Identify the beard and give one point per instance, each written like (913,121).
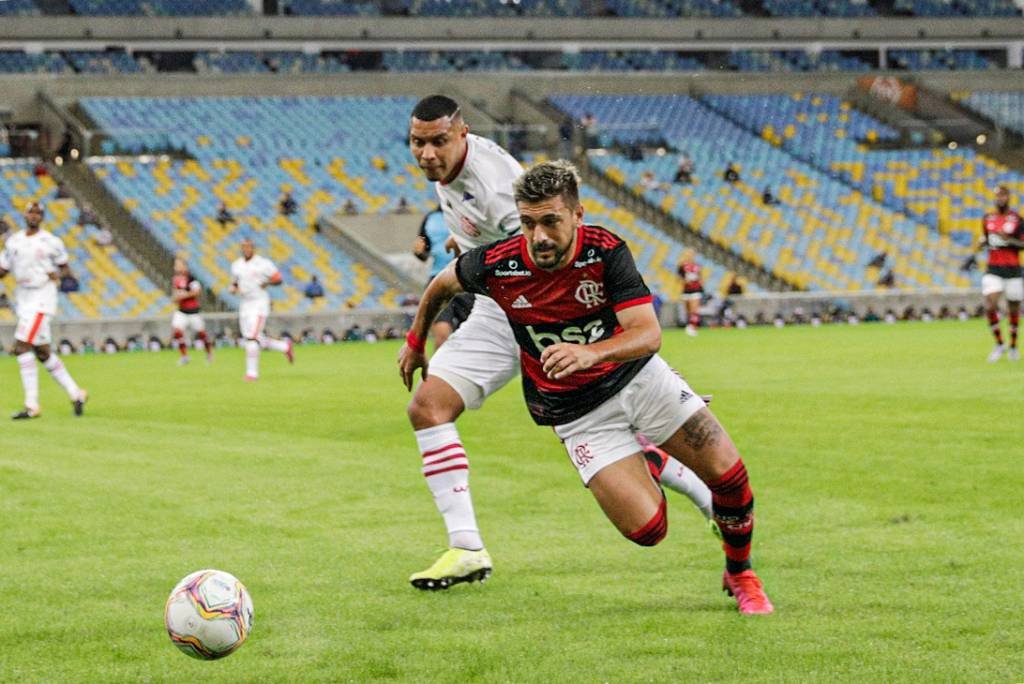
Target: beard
(550,257)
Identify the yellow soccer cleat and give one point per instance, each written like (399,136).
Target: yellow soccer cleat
(454,566)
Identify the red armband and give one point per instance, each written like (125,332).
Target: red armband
(415,343)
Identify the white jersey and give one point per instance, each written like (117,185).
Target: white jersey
(478,205)
(32,259)
(251,275)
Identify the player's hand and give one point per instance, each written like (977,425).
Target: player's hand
(419,248)
(233,289)
(563,359)
(450,245)
(408,361)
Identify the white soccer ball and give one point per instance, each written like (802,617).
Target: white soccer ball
(209,614)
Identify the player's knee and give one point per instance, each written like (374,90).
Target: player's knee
(42,353)
(423,412)
(654,531)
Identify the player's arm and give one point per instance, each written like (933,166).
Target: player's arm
(64,270)
(421,248)
(640,337)
(273,281)
(439,292)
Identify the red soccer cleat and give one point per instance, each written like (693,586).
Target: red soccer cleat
(748,591)
(290,352)
(251,378)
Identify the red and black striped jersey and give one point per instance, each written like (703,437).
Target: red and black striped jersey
(691,273)
(189,305)
(576,303)
(1003,260)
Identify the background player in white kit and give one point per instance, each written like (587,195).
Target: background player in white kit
(251,275)
(36,258)
(186,291)
(473,178)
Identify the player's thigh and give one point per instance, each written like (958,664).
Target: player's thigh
(480,357)
(434,402)
(251,322)
(703,445)
(991,287)
(33,328)
(626,493)
(179,321)
(196,323)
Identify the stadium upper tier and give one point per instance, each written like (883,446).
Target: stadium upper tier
(253,62)
(821,235)
(537,8)
(946,189)
(109,284)
(327,151)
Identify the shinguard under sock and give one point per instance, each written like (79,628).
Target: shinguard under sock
(252,358)
(732,502)
(205,340)
(60,373)
(446,470)
(179,338)
(993,324)
(1014,323)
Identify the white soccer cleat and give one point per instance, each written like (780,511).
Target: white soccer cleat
(1013,354)
(182,361)
(691,331)
(996,353)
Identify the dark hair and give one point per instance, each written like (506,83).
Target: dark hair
(435,107)
(546,180)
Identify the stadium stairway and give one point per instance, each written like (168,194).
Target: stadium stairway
(655,215)
(148,255)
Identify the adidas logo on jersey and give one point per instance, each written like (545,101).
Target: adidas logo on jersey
(521,303)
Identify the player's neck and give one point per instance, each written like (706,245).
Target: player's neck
(32,231)
(458,167)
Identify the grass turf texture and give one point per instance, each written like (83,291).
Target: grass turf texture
(885,461)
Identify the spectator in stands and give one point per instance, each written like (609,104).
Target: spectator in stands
(65,347)
(649,182)
(110,346)
(684,172)
(350,208)
(62,191)
(314,289)
(288,206)
(40,170)
(767,198)
(353,334)
(224,215)
(327,336)
(878,261)
(589,124)
(403,206)
(735,286)
(86,215)
(887,279)
(4,302)
(103,237)
(154,343)
(731,175)
(566,133)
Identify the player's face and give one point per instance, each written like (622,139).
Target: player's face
(179,267)
(1002,198)
(33,217)
(247,249)
(550,230)
(438,146)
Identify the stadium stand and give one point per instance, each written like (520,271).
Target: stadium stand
(22,8)
(17,62)
(110,285)
(111,62)
(822,234)
(313,147)
(158,8)
(948,190)
(1004,108)
(924,60)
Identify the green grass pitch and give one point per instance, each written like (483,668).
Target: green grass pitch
(886,462)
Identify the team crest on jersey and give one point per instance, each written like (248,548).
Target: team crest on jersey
(590,293)
(467,197)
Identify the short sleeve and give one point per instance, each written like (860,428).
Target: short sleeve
(269,269)
(471,272)
(59,253)
(623,282)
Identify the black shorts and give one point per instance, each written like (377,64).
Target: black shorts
(457,311)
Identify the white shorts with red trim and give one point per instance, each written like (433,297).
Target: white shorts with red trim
(252,319)
(1013,288)
(33,328)
(655,403)
(480,357)
(185,322)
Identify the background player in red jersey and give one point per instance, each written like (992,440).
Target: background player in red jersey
(1002,234)
(185,291)
(588,339)
(693,290)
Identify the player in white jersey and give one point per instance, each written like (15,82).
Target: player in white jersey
(473,178)
(37,258)
(251,275)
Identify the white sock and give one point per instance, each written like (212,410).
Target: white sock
(679,478)
(274,344)
(60,373)
(29,379)
(252,358)
(446,470)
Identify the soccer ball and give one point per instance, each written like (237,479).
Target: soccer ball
(208,614)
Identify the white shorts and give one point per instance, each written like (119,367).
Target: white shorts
(693,296)
(655,403)
(33,327)
(251,321)
(480,357)
(185,322)
(1013,288)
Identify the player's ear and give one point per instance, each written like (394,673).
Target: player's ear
(578,212)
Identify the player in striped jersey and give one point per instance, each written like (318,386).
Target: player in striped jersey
(185,291)
(1002,234)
